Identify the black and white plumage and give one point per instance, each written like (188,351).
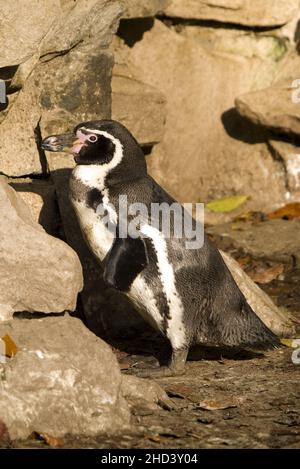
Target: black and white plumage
(187,294)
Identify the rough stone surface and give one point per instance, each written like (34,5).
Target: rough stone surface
(143,8)
(259,301)
(289,154)
(39,195)
(244,12)
(140,107)
(23,26)
(38,272)
(87,23)
(208,150)
(62,380)
(50,97)
(272,107)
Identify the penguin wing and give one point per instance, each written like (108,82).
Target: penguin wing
(124,261)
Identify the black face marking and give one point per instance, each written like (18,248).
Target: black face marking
(94,198)
(125,260)
(100,151)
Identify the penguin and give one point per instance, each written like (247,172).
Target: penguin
(189,295)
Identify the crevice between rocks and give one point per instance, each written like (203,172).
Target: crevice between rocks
(174,21)
(42,156)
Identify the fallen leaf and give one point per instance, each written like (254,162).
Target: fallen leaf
(10,348)
(48,439)
(211,404)
(293,343)
(261,275)
(288,212)
(227,204)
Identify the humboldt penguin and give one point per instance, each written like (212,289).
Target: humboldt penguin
(188,294)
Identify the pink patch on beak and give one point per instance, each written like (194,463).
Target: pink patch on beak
(82,137)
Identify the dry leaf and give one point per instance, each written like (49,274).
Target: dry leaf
(288,212)
(48,439)
(10,348)
(293,343)
(227,204)
(211,404)
(261,275)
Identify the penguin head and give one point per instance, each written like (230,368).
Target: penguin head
(103,143)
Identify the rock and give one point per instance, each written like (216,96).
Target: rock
(259,301)
(208,151)
(272,107)
(64,380)
(50,97)
(18,152)
(39,195)
(140,107)
(23,26)
(267,47)
(263,13)
(289,154)
(38,272)
(148,391)
(259,241)
(143,8)
(82,23)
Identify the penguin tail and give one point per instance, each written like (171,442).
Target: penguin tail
(246,330)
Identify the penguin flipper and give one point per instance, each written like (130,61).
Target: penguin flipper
(124,261)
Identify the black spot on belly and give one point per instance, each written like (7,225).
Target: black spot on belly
(94,198)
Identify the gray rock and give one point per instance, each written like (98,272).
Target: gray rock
(63,380)
(244,12)
(143,8)
(37,272)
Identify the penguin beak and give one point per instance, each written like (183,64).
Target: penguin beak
(65,142)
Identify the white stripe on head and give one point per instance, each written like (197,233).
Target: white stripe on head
(175,331)
(94,175)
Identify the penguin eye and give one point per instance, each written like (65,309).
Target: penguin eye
(92,138)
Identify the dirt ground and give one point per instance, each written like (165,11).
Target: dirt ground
(239,401)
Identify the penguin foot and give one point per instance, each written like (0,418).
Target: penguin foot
(161,372)
(175,368)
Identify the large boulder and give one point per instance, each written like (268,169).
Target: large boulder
(208,150)
(38,272)
(63,380)
(69,83)
(272,107)
(245,12)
